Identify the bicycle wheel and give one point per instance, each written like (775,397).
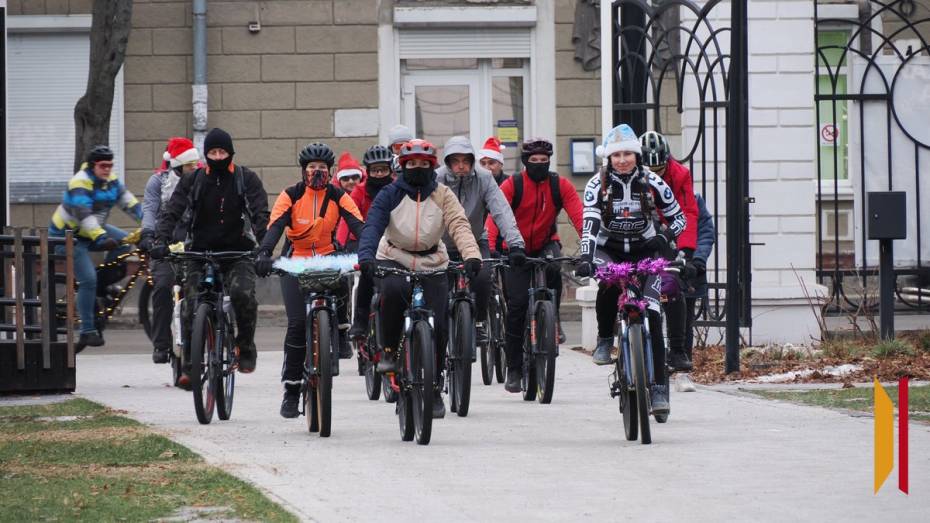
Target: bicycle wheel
(226,379)
(203,343)
(175,369)
(369,370)
(420,366)
(405,416)
(145,306)
(488,349)
(529,365)
(546,351)
(627,401)
(500,361)
(319,352)
(463,347)
(310,408)
(390,395)
(638,362)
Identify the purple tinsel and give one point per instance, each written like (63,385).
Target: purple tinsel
(621,274)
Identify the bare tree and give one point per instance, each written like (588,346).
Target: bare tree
(109,33)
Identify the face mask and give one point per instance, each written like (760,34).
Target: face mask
(316,179)
(219,165)
(377,183)
(537,171)
(418,177)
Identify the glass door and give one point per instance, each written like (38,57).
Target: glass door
(440,104)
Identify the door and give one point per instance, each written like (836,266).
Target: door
(438,105)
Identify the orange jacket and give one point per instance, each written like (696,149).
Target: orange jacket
(310,217)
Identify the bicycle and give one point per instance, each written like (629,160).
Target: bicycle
(460,348)
(213,356)
(540,348)
(321,362)
(493,358)
(368,350)
(633,374)
(414,383)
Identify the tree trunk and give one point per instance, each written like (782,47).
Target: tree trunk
(109,33)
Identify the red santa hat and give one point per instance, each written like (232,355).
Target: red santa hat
(492,149)
(180,151)
(348,166)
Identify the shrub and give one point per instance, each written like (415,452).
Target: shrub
(892,348)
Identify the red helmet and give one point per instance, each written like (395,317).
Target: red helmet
(418,148)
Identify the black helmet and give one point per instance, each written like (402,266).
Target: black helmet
(655,148)
(377,154)
(533,146)
(316,152)
(98,153)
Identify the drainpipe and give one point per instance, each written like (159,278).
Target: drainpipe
(199,86)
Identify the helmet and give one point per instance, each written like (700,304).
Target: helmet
(532,146)
(377,154)
(316,152)
(98,153)
(418,148)
(655,148)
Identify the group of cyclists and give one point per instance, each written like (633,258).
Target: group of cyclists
(404,207)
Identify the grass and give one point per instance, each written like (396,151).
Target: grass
(856,399)
(101,466)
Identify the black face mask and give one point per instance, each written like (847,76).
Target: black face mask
(419,176)
(537,171)
(375,184)
(219,165)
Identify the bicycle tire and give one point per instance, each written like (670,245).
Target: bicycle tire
(487,363)
(226,385)
(369,370)
(310,406)
(463,348)
(638,362)
(489,348)
(404,407)
(529,364)
(627,401)
(320,337)
(145,307)
(175,363)
(546,351)
(390,395)
(203,339)
(420,369)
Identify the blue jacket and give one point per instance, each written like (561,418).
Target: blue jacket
(86,204)
(707,233)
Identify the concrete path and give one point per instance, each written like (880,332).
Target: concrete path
(721,456)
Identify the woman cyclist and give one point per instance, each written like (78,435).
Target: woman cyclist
(307,212)
(405,226)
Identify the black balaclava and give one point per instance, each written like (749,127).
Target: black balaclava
(373,185)
(537,171)
(419,176)
(218,139)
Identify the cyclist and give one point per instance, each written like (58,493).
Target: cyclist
(492,159)
(621,224)
(377,162)
(537,196)
(308,213)
(397,137)
(84,209)
(479,195)
(228,212)
(658,158)
(696,269)
(405,226)
(181,157)
(348,172)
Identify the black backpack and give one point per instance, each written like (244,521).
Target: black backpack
(553,187)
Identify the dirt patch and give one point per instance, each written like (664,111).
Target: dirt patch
(117,435)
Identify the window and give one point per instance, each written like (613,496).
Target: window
(832,124)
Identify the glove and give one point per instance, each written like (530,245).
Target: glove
(517,257)
(688,272)
(658,243)
(263,264)
(106,244)
(584,269)
(147,241)
(159,251)
(367,267)
(700,266)
(472,267)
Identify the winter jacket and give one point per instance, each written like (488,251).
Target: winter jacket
(536,215)
(678,177)
(362,199)
(627,224)
(479,195)
(406,224)
(158,191)
(706,237)
(228,211)
(86,204)
(309,217)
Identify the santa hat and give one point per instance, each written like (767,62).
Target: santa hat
(347,166)
(620,138)
(492,149)
(180,151)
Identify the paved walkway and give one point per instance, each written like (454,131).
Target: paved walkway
(720,456)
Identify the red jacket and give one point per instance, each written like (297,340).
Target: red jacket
(363,202)
(536,216)
(678,177)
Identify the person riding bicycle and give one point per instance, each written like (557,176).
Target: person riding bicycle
(657,157)
(84,209)
(621,223)
(181,157)
(307,212)
(492,159)
(537,196)
(228,212)
(397,137)
(479,195)
(696,270)
(377,162)
(348,172)
(405,226)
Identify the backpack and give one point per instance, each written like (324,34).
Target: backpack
(553,188)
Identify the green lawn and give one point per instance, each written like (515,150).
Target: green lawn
(858,399)
(79,461)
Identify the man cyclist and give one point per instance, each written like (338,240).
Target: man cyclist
(308,213)
(228,212)
(621,224)
(537,196)
(181,157)
(405,227)
(84,209)
(492,159)
(479,195)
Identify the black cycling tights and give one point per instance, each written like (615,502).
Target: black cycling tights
(607,309)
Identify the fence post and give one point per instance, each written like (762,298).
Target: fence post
(47,305)
(19,283)
(69,293)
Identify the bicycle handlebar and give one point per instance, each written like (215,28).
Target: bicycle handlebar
(210,255)
(381,271)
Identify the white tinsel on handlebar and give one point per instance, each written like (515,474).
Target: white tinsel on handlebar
(298,265)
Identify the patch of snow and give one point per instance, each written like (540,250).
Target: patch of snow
(784,377)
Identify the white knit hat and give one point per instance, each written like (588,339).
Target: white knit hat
(620,138)
(399,134)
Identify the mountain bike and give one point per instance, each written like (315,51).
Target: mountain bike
(493,360)
(460,349)
(213,356)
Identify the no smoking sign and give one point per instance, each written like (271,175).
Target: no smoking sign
(829,134)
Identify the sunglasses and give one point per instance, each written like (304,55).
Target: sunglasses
(350,178)
(105,165)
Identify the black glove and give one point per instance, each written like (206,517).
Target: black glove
(472,267)
(159,251)
(688,272)
(263,263)
(585,269)
(367,267)
(516,257)
(147,241)
(658,243)
(106,244)
(700,266)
